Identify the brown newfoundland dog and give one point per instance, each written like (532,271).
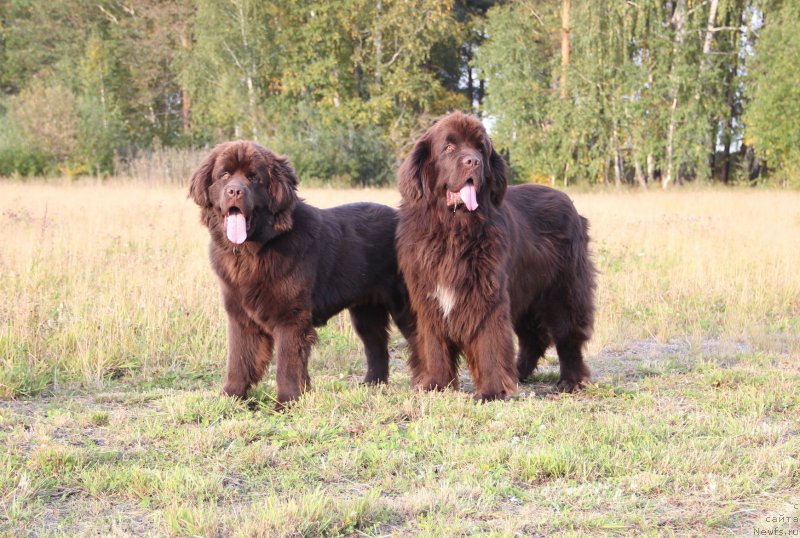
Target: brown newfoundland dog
(483,261)
(286,267)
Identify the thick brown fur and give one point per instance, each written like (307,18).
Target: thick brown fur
(298,266)
(519,263)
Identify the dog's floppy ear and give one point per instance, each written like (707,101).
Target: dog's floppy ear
(498,177)
(411,177)
(201,179)
(282,191)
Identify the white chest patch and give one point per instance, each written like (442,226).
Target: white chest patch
(446,298)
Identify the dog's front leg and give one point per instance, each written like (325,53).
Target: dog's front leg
(490,356)
(438,367)
(249,354)
(293,342)
(249,347)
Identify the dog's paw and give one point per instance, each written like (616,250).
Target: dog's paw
(571,385)
(491,396)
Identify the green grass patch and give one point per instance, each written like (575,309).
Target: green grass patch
(699,451)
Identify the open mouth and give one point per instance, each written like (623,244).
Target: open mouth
(466,195)
(236,225)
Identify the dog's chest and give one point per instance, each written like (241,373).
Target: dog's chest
(261,296)
(455,272)
(455,297)
(447,299)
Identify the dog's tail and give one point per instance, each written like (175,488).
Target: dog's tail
(584,286)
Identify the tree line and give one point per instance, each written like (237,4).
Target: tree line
(646,92)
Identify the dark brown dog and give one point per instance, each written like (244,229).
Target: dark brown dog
(482,262)
(286,267)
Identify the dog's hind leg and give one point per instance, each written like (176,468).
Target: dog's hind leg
(534,340)
(371,323)
(406,321)
(574,372)
(571,328)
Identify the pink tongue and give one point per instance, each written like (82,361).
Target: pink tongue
(236,228)
(467,194)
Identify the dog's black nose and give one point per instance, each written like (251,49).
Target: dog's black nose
(234,191)
(471,161)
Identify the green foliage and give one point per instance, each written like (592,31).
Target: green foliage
(228,69)
(101,137)
(518,64)
(654,90)
(325,150)
(365,57)
(774,85)
(23,161)
(16,157)
(46,114)
(337,86)
(101,129)
(628,63)
(49,128)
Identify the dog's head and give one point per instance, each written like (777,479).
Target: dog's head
(454,165)
(245,191)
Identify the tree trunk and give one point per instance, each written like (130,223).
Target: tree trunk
(616,157)
(470,79)
(564,46)
(731,98)
(250,71)
(712,17)
(378,44)
(667,179)
(679,23)
(710,138)
(186,109)
(637,166)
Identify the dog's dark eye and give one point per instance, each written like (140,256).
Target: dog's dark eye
(450,148)
(224,176)
(251,177)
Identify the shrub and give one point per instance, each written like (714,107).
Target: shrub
(46,116)
(330,151)
(18,158)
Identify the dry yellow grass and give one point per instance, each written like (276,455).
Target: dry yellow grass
(102,280)
(697,264)
(111,317)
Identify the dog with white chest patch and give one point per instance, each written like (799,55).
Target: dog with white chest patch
(483,261)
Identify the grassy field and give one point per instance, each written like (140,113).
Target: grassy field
(112,341)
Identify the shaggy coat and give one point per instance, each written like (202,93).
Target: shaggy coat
(286,267)
(483,261)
